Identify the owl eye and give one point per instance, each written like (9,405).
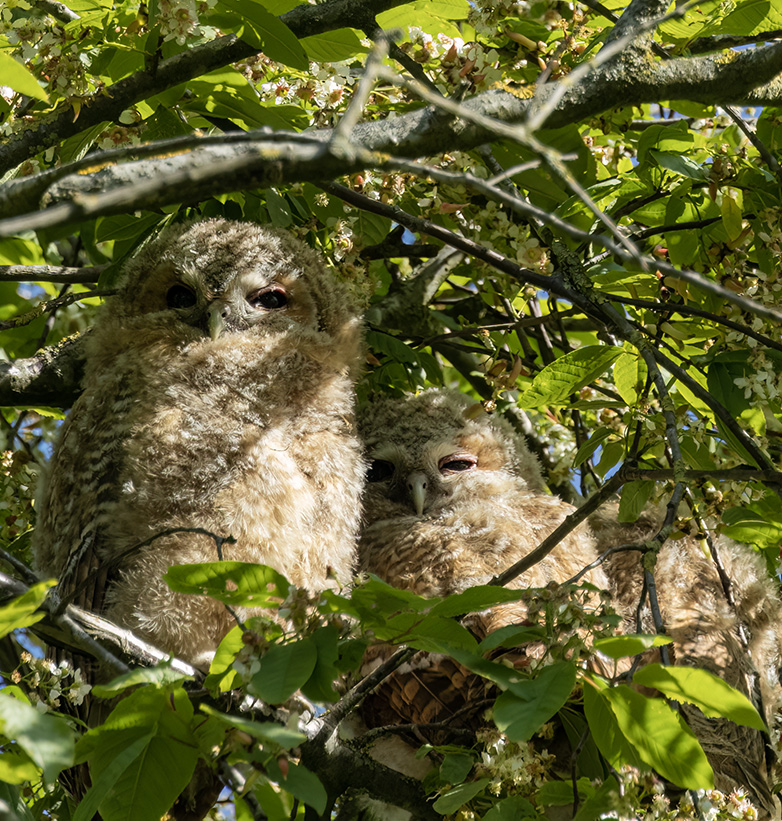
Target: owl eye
(380,470)
(180,296)
(268,299)
(456,463)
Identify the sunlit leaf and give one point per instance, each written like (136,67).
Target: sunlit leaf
(713,696)
(47,739)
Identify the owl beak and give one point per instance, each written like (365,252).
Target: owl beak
(416,485)
(215,322)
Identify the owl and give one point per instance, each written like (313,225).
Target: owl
(724,616)
(453,499)
(218,394)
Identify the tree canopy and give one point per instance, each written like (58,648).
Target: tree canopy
(570,210)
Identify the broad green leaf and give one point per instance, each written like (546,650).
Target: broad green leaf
(114,770)
(300,783)
(617,647)
(560,793)
(592,444)
(600,803)
(16,768)
(630,376)
(235,583)
(531,703)
(679,164)
(511,636)
(150,733)
(431,633)
(376,598)
(333,46)
(320,686)
(568,374)
(284,669)
(713,696)
(456,767)
(475,598)
(605,729)
(160,675)
(10,795)
(268,33)
(266,731)
(511,808)
(21,612)
(456,797)
(633,499)
(661,737)
(16,76)
(220,673)
(48,740)
(732,213)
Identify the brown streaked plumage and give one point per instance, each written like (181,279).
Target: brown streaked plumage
(451,501)
(218,394)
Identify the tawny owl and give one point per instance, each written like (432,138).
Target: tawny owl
(452,501)
(218,394)
(724,615)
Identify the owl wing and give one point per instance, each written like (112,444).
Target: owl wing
(83,488)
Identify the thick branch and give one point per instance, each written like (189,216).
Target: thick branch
(619,82)
(51,377)
(304,20)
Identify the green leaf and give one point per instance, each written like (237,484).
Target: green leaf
(142,757)
(605,729)
(235,583)
(21,611)
(511,636)
(160,675)
(679,164)
(509,809)
(220,673)
(732,216)
(601,803)
(16,768)
(433,634)
(320,686)
(567,375)
(48,740)
(713,696)
(598,436)
(530,704)
(560,793)
(456,797)
(267,33)
(333,46)
(617,647)
(630,376)
(300,783)
(10,795)
(16,76)
(284,669)
(456,767)
(661,737)
(265,731)
(475,598)
(633,499)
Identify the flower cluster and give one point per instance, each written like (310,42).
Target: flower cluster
(515,768)
(17,483)
(49,683)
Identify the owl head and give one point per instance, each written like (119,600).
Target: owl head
(428,452)
(218,277)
